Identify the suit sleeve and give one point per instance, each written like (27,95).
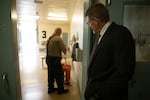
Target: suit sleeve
(124,54)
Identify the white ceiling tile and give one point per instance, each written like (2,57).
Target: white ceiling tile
(61,7)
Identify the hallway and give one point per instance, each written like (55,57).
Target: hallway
(34,77)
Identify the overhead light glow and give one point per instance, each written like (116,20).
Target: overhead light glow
(57,18)
(59,14)
(26,17)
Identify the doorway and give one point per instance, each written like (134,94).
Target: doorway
(29,60)
(33,75)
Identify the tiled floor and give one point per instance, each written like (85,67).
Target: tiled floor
(34,79)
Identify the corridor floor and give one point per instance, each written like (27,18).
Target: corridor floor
(34,78)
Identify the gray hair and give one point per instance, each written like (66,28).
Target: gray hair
(98,11)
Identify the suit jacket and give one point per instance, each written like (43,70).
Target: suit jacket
(112,65)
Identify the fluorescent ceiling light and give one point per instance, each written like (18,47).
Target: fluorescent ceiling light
(57,14)
(57,18)
(26,17)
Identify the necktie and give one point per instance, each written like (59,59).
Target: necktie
(94,47)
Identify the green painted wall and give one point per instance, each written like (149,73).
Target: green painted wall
(116,11)
(65,38)
(86,50)
(8,60)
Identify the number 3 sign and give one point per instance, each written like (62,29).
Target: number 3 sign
(44,34)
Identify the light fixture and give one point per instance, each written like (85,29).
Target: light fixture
(57,18)
(109,2)
(28,17)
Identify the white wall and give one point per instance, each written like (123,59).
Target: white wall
(77,23)
(77,30)
(49,28)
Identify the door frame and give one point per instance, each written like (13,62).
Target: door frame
(15,47)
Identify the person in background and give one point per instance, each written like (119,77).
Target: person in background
(55,47)
(112,60)
(73,52)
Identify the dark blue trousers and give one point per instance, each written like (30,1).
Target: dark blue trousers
(55,72)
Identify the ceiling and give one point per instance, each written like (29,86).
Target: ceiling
(31,9)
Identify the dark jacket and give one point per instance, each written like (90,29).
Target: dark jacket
(113,64)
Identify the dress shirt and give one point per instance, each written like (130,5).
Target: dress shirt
(105,27)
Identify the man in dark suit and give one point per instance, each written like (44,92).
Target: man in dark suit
(112,60)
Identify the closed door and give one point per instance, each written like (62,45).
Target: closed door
(136,18)
(65,38)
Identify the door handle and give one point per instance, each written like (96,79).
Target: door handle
(5,82)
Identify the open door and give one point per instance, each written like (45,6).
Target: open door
(9,66)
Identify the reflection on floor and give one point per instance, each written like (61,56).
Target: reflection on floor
(34,79)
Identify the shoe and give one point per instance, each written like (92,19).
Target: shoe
(51,90)
(67,83)
(63,91)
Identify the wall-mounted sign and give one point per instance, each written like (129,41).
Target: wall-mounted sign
(43,34)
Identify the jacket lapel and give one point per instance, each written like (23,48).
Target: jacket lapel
(101,42)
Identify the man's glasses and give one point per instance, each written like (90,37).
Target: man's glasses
(92,19)
(89,22)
